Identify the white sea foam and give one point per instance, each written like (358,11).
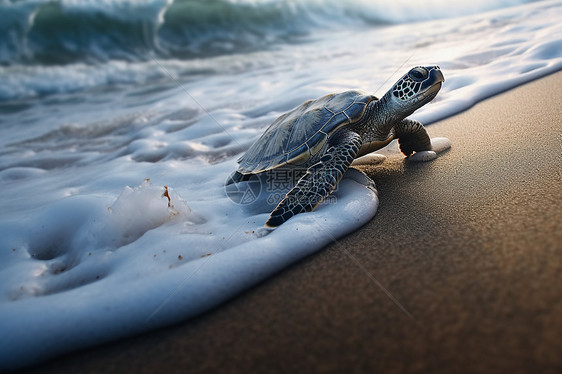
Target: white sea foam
(92,251)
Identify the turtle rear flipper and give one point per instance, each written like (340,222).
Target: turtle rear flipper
(320,179)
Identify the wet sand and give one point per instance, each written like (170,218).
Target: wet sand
(460,271)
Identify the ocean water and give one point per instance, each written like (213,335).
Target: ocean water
(121,120)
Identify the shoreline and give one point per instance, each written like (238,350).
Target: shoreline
(467,245)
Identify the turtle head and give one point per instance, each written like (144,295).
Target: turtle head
(415,89)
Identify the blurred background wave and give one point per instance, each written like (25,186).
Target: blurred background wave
(58,32)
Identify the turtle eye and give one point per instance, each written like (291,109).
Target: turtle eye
(418,74)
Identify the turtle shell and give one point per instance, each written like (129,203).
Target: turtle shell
(300,133)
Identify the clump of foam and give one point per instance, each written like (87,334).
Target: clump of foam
(438,145)
(143,208)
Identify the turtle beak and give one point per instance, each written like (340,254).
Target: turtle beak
(433,83)
(436,74)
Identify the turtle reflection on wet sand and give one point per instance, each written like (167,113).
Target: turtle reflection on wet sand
(325,136)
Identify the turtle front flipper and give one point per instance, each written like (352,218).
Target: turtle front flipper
(412,137)
(320,179)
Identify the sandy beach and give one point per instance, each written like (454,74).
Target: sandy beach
(459,271)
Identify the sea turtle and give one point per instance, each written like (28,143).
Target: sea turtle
(325,135)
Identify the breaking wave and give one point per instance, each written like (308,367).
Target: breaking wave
(57,32)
